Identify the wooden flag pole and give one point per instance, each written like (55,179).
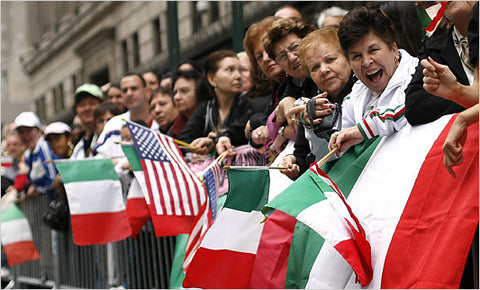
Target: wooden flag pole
(326,157)
(180,142)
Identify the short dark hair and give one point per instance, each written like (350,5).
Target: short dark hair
(160,91)
(359,22)
(283,27)
(201,87)
(112,85)
(106,107)
(128,74)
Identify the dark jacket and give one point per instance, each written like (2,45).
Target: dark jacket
(422,107)
(205,119)
(302,150)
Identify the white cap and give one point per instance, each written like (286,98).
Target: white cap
(27,119)
(57,128)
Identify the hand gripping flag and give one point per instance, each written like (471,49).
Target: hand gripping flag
(95,199)
(176,194)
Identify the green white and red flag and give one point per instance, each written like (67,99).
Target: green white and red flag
(95,200)
(226,255)
(17,237)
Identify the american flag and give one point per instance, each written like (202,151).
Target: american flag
(212,177)
(173,187)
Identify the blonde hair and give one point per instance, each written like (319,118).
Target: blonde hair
(326,35)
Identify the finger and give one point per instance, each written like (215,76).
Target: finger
(325,112)
(317,121)
(427,65)
(431,81)
(438,67)
(429,73)
(450,170)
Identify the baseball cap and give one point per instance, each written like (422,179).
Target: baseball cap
(88,89)
(27,119)
(57,128)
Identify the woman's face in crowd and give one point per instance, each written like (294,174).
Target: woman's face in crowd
(14,146)
(163,110)
(287,57)
(328,67)
(227,78)
(151,80)
(102,120)
(267,65)
(184,96)
(59,144)
(114,95)
(373,62)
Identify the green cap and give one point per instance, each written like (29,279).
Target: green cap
(90,89)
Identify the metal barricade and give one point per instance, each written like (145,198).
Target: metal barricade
(140,263)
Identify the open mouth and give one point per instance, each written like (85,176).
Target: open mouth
(375,76)
(297,65)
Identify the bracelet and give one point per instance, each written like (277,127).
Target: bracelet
(302,120)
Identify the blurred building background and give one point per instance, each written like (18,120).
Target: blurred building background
(51,47)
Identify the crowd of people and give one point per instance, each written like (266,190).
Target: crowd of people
(297,92)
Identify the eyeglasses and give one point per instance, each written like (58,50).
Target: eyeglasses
(283,56)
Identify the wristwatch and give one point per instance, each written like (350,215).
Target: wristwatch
(281,131)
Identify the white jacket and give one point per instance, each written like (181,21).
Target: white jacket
(380,115)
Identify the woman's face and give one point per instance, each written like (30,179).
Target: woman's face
(373,62)
(163,110)
(14,146)
(114,95)
(228,78)
(151,80)
(328,67)
(102,120)
(59,144)
(287,57)
(184,96)
(267,65)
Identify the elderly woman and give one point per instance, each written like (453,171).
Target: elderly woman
(281,43)
(376,105)
(267,77)
(323,59)
(163,111)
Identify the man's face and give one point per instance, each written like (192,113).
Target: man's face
(459,13)
(29,136)
(134,93)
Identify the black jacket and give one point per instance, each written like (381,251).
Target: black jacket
(205,119)
(422,107)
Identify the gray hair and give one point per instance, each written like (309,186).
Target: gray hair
(333,11)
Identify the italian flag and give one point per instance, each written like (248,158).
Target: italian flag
(17,237)
(137,199)
(315,201)
(419,220)
(95,199)
(226,255)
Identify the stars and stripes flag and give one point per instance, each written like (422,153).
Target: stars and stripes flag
(212,177)
(176,194)
(173,188)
